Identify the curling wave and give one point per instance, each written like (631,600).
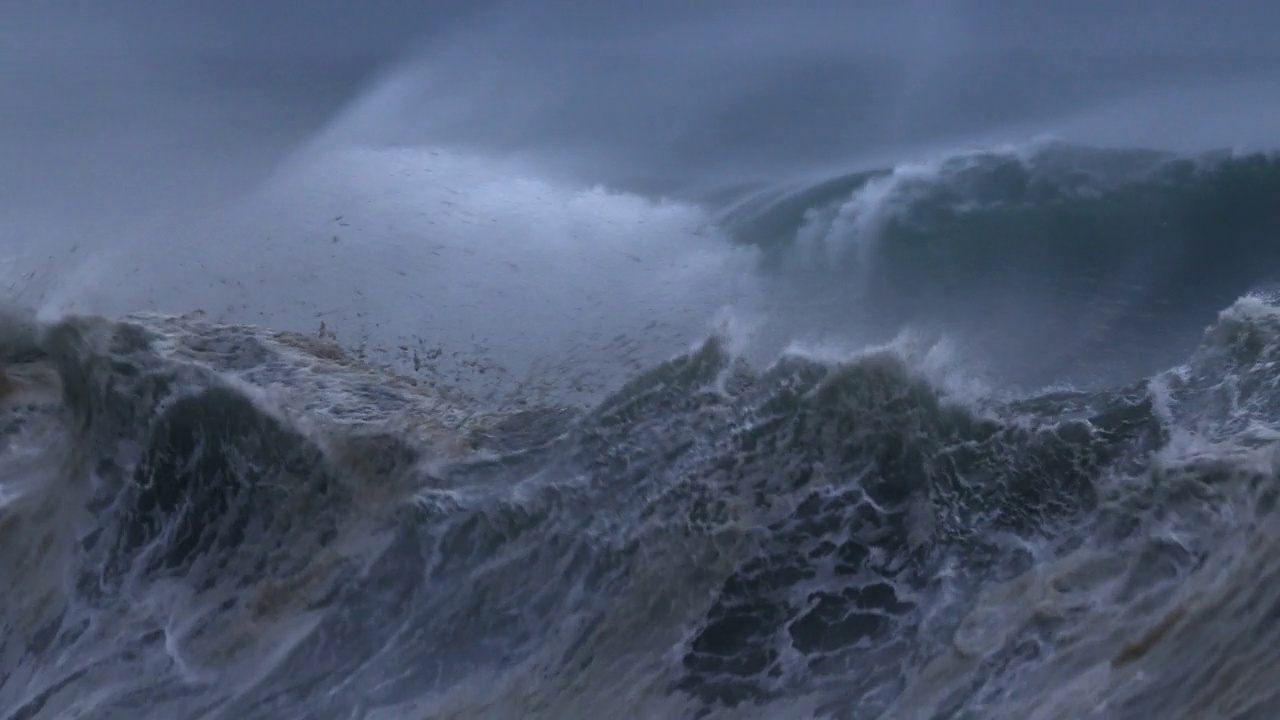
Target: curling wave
(1051,261)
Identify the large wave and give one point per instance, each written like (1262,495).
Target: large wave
(219,521)
(497,359)
(1053,262)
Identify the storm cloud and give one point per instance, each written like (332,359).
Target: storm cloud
(179,100)
(687,96)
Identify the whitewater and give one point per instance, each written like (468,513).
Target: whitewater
(501,393)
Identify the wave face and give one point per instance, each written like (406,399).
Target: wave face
(1064,259)
(216,521)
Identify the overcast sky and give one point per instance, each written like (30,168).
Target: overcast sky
(164,100)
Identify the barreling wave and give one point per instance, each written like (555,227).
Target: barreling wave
(212,521)
(1042,194)
(1080,252)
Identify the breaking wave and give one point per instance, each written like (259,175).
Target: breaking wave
(205,520)
(1052,261)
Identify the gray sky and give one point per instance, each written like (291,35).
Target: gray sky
(121,104)
(672,92)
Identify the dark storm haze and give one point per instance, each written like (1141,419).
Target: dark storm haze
(507,359)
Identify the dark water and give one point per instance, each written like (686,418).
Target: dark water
(218,521)
(1055,262)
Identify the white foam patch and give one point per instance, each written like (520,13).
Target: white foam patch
(418,253)
(854,228)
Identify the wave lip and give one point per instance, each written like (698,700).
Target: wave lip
(1045,263)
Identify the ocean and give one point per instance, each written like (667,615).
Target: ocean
(425,425)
